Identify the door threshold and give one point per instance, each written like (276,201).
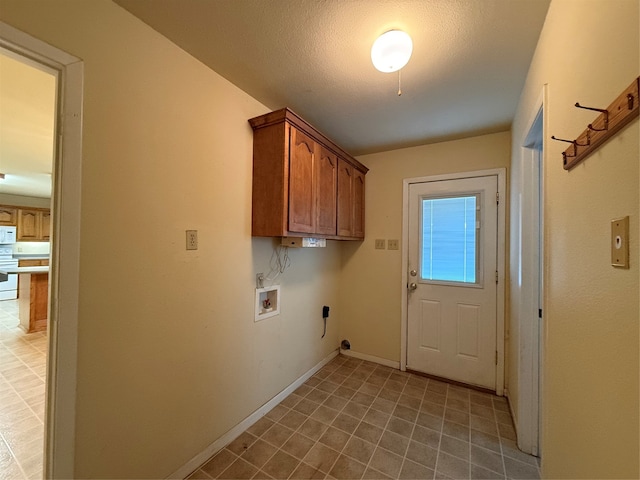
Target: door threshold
(453,382)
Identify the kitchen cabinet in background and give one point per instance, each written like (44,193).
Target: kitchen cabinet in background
(8,215)
(34,225)
(33,263)
(296,182)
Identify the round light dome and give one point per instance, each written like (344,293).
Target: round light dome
(391,51)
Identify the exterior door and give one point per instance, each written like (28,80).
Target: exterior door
(452,299)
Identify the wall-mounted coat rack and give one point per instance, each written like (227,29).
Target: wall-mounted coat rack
(609,122)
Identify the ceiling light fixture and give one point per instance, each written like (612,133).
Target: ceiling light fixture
(391,51)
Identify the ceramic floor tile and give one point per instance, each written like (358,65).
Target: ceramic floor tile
(520,470)
(304,471)
(277,435)
(258,453)
(412,470)
(359,449)
(22,378)
(386,462)
(298,445)
(356,419)
(219,463)
(239,470)
(321,457)
(335,438)
(346,467)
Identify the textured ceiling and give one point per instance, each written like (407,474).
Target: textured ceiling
(469,63)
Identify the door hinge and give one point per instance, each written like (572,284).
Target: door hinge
(498,198)
(496,276)
(539,313)
(496,357)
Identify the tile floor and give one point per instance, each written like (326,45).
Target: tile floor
(23,359)
(356,419)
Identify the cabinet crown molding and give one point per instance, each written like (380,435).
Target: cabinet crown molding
(288,115)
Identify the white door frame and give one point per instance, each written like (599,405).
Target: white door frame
(530,348)
(59,440)
(501,174)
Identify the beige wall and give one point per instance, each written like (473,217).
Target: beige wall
(371,290)
(169,356)
(21,201)
(588,52)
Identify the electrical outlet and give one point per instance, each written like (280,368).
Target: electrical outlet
(393,244)
(192,239)
(380,244)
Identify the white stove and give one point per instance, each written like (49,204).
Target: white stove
(8,288)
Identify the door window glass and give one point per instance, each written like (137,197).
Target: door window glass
(449,240)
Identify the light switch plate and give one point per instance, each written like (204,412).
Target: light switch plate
(620,242)
(380,244)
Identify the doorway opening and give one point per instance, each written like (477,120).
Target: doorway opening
(28,92)
(63,290)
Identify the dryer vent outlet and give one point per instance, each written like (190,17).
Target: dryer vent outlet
(345,345)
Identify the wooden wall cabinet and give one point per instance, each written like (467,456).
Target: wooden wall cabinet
(34,225)
(8,215)
(296,182)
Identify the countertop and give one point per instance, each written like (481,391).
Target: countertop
(5,271)
(30,256)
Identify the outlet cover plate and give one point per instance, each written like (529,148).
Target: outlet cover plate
(192,239)
(380,244)
(393,244)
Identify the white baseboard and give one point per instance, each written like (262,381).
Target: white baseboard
(232,434)
(371,358)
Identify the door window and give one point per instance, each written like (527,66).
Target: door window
(449,240)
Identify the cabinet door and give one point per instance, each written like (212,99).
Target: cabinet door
(8,216)
(302,211)
(29,225)
(345,203)
(326,178)
(357,192)
(45,225)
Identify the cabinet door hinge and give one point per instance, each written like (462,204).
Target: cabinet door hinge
(496,276)
(498,198)
(539,313)
(496,357)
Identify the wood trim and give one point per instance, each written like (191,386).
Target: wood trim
(620,112)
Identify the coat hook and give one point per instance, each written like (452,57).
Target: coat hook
(588,140)
(601,110)
(630,101)
(573,142)
(606,127)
